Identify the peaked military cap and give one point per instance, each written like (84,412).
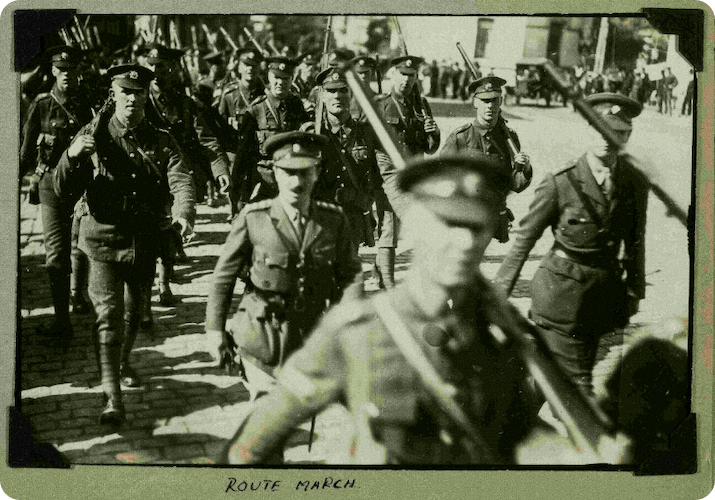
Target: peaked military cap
(249,56)
(339,56)
(308,58)
(295,150)
(363,64)
(280,65)
(407,65)
(331,78)
(157,53)
(64,56)
(486,87)
(131,76)
(616,109)
(453,187)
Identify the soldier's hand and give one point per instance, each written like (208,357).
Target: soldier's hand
(265,163)
(214,338)
(224,183)
(308,105)
(186,230)
(82,145)
(522,162)
(431,126)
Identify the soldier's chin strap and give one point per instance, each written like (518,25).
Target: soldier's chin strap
(442,391)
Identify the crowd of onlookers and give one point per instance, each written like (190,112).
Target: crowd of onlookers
(449,80)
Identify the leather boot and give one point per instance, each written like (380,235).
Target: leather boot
(60,331)
(128,376)
(385,267)
(78,283)
(113,413)
(211,195)
(166,298)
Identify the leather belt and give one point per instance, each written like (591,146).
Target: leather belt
(599,261)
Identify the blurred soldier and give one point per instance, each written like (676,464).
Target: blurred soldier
(488,134)
(139,173)
(357,356)
(300,259)
(596,207)
(52,120)
(278,110)
(417,134)
(171,109)
(366,69)
(349,170)
(233,107)
(688,98)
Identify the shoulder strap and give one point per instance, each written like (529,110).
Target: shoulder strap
(584,199)
(442,391)
(64,108)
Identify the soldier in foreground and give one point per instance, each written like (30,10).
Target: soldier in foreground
(299,258)
(488,134)
(594,276)
(356,354)
(53,119)
(138,172)
(417,134)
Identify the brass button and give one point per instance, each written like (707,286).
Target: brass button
(131,155)
(445,437)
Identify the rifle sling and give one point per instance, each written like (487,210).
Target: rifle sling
(348,161)
(585,200)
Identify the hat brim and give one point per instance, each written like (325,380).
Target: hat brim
(457,210)
(297,163)
(488,95)
(64,64)
(130,84)
(407,71)
(249,62)
(617,123)
(335,85)
(279,72)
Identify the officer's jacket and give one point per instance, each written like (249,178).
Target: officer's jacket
(355,142)
(262,237)
(127,198)
(466,140)
(352,358)
(621,223)
(236,100)
(181,116)
(52,120)
(273,116)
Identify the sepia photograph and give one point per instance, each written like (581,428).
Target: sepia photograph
(270,252)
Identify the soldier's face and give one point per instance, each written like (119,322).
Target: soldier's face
(449,254)
(601,149)
(307,71)
(336,100)
(247,72)
(129,102)
(66,78)
(364,76)
(487,110)
(295,186)
(279,85)
(403,83)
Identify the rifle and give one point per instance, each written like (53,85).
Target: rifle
(320,106)
(255,43)
(210,38)
(176,41)
(421,105)
(587,425)
(195,48)
(596,121)
(229,39)
(468,62)
(273,47)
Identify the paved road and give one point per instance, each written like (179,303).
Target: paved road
(186,408)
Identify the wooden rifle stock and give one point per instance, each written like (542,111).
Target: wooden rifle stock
(320,106)
(421,105)
(255,43)
(597,122)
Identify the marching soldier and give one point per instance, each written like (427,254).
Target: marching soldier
(52,120)
(278,110)
(305,79)
(138,173)
(349,168)
(488,134)
(366,69)
(417,135)
(299,257)
(233,107)
(356,354)
(171,109)
(596,207)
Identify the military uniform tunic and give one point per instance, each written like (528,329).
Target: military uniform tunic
(290,282)
(351,358)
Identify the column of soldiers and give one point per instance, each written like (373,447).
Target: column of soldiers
(301,206)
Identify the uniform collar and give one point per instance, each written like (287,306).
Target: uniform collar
(599,170)
(61,97)
(291,211)
(118,129)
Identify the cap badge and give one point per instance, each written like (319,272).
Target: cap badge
(282,66)
(408,63)
(154,53)
(488,86)
(615,109)
(134,75)
(250,55)
(362,62)
(64,55)
(336,77)
(296,148)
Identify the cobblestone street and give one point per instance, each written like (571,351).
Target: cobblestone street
(186,408)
